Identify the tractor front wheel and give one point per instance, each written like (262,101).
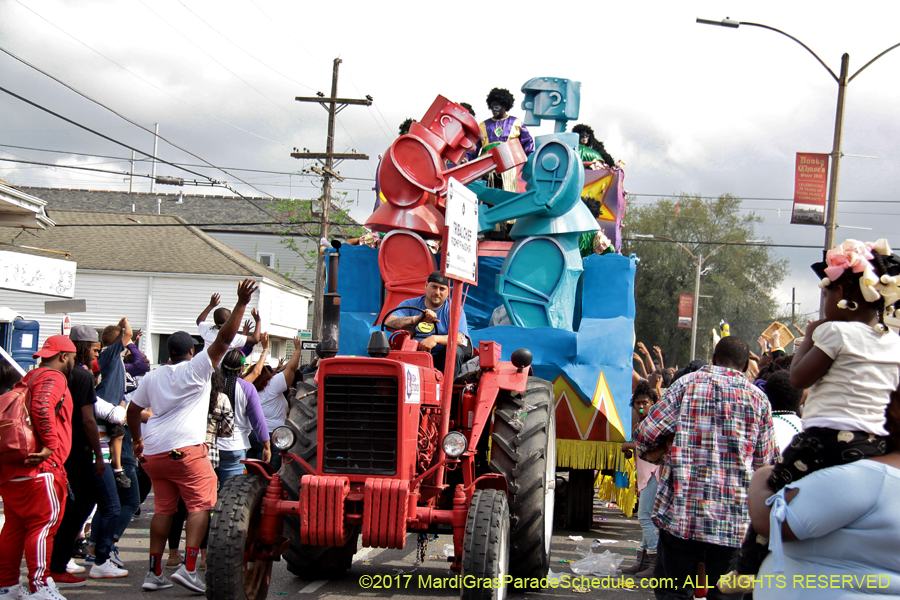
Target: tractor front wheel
(231,572)
(486,546)
(523,450)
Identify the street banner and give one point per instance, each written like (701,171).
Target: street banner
(810,189)
(685,310)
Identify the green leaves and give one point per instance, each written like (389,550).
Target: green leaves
(741,278)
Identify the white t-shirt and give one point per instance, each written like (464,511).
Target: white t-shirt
(854,392)
(273,402)
(209,336)
(240,439)
(178,395)
(786,427)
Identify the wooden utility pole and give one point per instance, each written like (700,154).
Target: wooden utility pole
(333,105)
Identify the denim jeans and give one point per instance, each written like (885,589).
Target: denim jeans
(230,464)
(129,501)
(103,527)
(645,510)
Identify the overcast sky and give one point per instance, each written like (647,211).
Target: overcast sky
(689,108)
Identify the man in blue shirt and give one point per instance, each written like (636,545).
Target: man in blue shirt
(431,327)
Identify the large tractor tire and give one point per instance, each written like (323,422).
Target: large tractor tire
(486,546)
(580,500)
(309,562)
(233,530)
(523,449)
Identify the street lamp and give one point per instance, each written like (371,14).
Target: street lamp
(699,259)
(843,81)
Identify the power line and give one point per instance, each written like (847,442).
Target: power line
(215,60)
(230,41)
(742,198)
(136,124)
(755,245)
(154,86)
(121,159)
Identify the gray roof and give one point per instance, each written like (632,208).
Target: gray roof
(210,213)
(108,241)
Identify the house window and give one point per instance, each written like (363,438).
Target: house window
(266,258)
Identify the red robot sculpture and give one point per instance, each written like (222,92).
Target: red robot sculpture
(414,175)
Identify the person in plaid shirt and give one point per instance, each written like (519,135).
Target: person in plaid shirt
(718,429)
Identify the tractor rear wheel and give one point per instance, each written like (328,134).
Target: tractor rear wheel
(309,562)
(523,450)
(233,530)
(486,546)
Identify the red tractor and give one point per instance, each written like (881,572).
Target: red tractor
(388,445)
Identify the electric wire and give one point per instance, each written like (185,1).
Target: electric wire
(154,86)
(215,60)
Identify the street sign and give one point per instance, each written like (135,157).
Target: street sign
(304,334)
(810,189)
(685,310)
(58,307)
(66,325)
(461,240)
(309,345)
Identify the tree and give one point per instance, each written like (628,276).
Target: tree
(300,230)
(740,280)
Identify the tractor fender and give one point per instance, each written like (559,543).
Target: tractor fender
(491,481)
(258,467)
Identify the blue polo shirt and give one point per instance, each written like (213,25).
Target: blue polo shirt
(423,329)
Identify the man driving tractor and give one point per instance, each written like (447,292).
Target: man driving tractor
(430,327)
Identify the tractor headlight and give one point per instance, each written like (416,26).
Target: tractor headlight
(454,444)
(283,438)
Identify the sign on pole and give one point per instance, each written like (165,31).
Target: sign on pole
(66,325)
(810,189)
(56,307)
(685,310)
(461,241)
(36,274)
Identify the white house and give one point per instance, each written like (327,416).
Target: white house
(154,269)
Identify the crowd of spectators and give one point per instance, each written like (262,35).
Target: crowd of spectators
(110,430)
(779,467)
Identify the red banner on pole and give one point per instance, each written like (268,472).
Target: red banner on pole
(810,189)
(685,310)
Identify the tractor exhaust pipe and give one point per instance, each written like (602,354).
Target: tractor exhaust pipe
(331,307)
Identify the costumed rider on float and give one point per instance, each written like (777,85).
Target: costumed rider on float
(432,327)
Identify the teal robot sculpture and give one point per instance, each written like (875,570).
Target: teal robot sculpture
(539,277)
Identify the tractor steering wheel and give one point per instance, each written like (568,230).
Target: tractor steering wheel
(409,328)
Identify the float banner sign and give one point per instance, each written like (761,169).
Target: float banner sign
(685,310)
(810,189)
(461,241)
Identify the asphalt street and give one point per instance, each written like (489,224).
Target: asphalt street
(381,573)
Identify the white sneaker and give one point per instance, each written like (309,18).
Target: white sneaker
(13,592)
(189,579)
(155,582)
(107,571)
(74,568)
(48,592)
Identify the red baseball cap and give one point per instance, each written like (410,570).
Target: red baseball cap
(54,345)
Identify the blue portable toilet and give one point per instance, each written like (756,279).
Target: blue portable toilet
(24,344)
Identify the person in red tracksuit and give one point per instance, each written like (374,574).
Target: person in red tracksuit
(34,494)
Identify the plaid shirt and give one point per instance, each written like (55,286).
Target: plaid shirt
(723,431)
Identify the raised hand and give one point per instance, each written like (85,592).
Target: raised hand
(214,300)
(245,291)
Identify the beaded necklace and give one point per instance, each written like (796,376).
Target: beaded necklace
(780,415)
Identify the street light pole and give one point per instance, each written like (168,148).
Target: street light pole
(843,81)
(699,262)
(698,259)
(831,216)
